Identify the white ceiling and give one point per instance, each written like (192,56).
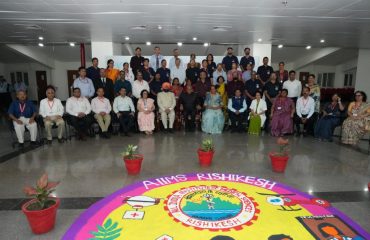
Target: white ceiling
(342,23)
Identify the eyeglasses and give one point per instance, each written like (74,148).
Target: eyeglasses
(358,95)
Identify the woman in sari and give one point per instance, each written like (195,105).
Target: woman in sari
(221,90)
(282,113)
(315,94)
(213,118)
(330,119)
(358,121)
(257,115)
(145,117)
(234,72)
(111,72)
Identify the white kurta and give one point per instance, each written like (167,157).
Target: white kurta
(261,107)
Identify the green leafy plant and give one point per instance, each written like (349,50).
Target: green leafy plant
(283,147)
(108,231)
(207,145)
(41,193)
(130,151)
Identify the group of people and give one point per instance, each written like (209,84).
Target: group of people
(224,95)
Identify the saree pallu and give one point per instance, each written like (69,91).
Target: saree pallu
(354,129)
(254,125)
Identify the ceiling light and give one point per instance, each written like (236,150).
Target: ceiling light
(194,38)
(72,44)
(280,46)
(159,27)
(179,44)
(41,44)
(259,40)
(308,47)
(322,40)
(41,38)
(127,38)
(206,44)
(148,43)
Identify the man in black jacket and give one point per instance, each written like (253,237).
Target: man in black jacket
(106,84)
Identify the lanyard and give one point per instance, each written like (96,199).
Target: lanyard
(304,104)
(51,106)
(101,99)
(333,106)
(258,102)
(21,109)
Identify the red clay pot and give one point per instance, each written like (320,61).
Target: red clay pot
(133,166)
(205,158)
(278,162)
(41,221)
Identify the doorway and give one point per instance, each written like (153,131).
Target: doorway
(72,75)
(42,83)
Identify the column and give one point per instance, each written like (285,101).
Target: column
(362,73)
(259,51)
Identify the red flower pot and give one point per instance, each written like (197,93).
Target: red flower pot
(41,221)
(205,158)
(133,166)
(278,162)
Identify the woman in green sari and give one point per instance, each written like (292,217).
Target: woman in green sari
(358,121)
(257,115)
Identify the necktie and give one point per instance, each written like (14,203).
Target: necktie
(103,80)
(157,62)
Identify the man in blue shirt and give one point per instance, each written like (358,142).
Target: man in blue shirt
(93,72)
(264,71)
(164,72)
(251,87)
(22,112)
(247,59)
(84,84)
(156,59)
(229,59)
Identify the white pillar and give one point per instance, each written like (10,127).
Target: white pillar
(362,73)
(259,51)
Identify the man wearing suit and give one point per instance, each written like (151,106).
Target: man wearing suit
(106,84)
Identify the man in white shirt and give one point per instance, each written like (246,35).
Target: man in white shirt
(84,84)
(219,72)
(178,71)
(124,109)
(237,107)
(156,59)
(293,86)
(139,85)
(304,110)
(52,110)
(102,108)
(166,103)
(176,55)
(79,109)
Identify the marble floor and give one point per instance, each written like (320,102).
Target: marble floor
(93,169)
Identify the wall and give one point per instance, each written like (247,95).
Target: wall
(362,74)
(2,69)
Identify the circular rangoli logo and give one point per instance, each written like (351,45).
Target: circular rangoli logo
(216,208)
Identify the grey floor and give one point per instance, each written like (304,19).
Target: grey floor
(95,169)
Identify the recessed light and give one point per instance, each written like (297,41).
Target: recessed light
(259,40)
(280,46)
(206,44)
(148,43)
(127,38)
(308,47)
(194,38)
(159,27)
(72,44)
(179,44)
(41,44)
(322,40)
(41,38)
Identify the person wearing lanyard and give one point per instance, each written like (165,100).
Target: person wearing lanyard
(282,75)
(101,108)
(272,90)
(282,113)
(164,72)
(156,59)
(237,107)
(251,87)
(305,109)
(22,112)
(52,110)
(264,71)
(148,72)
(85,84)
(257,116)
(293,86)
(145,117)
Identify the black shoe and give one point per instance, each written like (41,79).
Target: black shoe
(165,131)
(60,140)
(21,145)
(170,130)
(34,143)
(297,134)
(304,134)
(107,135)
(50,142)
(127,134)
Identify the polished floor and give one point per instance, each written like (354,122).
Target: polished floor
(93,169)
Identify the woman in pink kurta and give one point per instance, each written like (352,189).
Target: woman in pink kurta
(282,112)
(145,117)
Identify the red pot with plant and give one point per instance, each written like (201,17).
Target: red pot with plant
(42,209)
(205,152)
(279,159)
(132,161)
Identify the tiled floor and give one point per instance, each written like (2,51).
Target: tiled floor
(95,169)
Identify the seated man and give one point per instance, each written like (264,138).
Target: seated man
(304,109)
(167,104)
(52,110)
(102,108)
(189,103)
(23,113)
(78,109)
(237,108)
(125,110)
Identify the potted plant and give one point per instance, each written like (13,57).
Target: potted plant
(205,152)
(132,161)
(42,209)
(280,158)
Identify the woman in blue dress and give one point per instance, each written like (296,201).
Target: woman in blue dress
(213,117)
(330,119)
